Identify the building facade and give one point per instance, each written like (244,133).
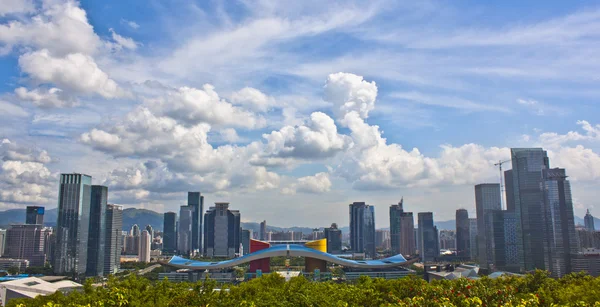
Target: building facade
(487,199)
(196,201)
(246,237)
(396,212)
(407,234)
(334,239)
(463,238)
(169,239)
(262,235)
(145,242)
(97,231)
(473,238)
(114,239)
(184,233)
(428,237)
(26,241)
(73,224)
(222,231)
(588,220)
(34,215)
(382,239)
(362,229)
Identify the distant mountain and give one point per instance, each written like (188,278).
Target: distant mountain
(142,217)
(445,225)
(16,216)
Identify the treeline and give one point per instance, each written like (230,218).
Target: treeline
(271,290)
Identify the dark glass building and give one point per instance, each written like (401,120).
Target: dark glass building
(184,232)
(334,239)
(395,226)
(262,235)
(196,201)
(114,239)
(504,238)
(428,237)
(97,231)
(222,231)
(169,238)
(463,238)
(487,199)
(509,188)
(34,215)
(588,220)
(73,224)
(362,229)
(246,236)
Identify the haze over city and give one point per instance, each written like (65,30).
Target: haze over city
(292,111)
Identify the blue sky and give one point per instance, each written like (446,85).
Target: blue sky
(292,110)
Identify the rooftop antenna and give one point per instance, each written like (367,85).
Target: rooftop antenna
(499,165)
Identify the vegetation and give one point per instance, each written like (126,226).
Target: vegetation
(271,290)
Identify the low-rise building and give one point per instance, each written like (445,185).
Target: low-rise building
(32,286)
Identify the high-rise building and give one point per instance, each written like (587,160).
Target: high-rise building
(561,238)
(222,231)
(184,233)
(463,238)
(2,242)
(473,237)
(262,235)
(135,230)
(34,215)
(504,240)
(382,239)
(97,231)
(334,239)
(396,226)
(487,199)
(73,224)
(150,231)
(26,241)
(169,239)
(509,188)
(362,229)
(428,237)
(589,221)
(196,201)
(527,166)
(114,239)
(447,239)
(145,241)
(246,236)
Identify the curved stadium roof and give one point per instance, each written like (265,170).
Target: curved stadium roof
(292,250)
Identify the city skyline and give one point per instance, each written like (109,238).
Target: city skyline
(291,112)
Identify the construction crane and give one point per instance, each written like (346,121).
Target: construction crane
(499,165)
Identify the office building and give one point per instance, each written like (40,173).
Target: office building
(334,239)
(246,237)
(2,242)
(184,233)
(73,224)
(473,237)
(196,201)
(150,231)
(561,238)
(114,239)
(34,215)
(169,239)
(382,239)
(145,241)
(509,190)
(487,199)
(362,229)
(588,261)
(97,231)
(428,237)
(527,166)
(135,230)
(447,240)
(504,240)
(222,231)
(402,226)
(588,220)
(26,241)
(463,238)
(262,235)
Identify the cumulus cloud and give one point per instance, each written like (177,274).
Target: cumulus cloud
(317,184)
(349,92)
(76,72)
(123,42)
(61,28)
(581,164)
(9,109)
(555,140)
(252,99)
(46,98)
(16,6)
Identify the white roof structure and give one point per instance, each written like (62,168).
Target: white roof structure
(31,287)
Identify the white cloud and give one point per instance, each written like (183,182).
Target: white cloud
(131,24)
(16,7)
(61,28)
(9,109)
(555,140)
(76,72)
(349,92)
(46,98)
(316,184)
(123,42)
(446,101)
(253,99)
(229,135)
(581,164)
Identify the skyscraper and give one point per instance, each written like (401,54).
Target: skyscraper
(222,231)
(150,231)
(133,244)
(97,231)
(2,242)
(145,241)
(589,221)
(246,236)
(487,199)
(169,239)
(473,237)
(34,215)
(428,237)
(114,239)
(527,166)
(561,238)
(334,239)
(362,229)
(396,226)
(463,239)
(504,240)
(407,234)
(382,239)
(26,241)
(73,224)
(509,188)
(184,233)
(196,201)
(262,235)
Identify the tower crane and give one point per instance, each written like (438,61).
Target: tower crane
(499,165)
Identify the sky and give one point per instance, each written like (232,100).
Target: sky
(291,110)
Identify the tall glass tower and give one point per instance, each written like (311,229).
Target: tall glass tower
(429,247)
(114,239)
(196,201)
(34,215)
(463,241)
(73,224)
(169,239)
(487,199)
(589,221)
(97,232)
(362,228)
